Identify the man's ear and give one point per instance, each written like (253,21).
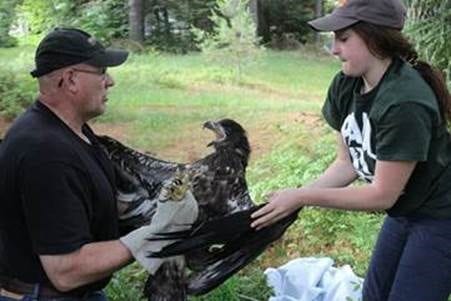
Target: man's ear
(70,80)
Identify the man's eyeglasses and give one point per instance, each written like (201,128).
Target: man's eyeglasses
(101,71)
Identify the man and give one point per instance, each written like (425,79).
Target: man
(58,215)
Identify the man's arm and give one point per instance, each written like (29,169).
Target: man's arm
(90,263)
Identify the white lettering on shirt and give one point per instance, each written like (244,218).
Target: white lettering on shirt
(359,145)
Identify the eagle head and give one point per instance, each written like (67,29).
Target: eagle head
(230,135)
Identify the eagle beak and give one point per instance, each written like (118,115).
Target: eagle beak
(213,126)
(209,125)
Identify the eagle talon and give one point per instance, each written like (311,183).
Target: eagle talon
(175,189)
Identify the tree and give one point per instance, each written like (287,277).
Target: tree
(105,19)
(43,15)
(234,42)
(429,26)
(136,21)
(7,14)
(168,23)
(318,13)
(284,18)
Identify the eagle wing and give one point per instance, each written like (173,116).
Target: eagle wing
(228,248)
(139,179)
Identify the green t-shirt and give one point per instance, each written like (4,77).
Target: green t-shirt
(399,120)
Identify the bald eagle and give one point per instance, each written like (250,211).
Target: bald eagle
(221,241)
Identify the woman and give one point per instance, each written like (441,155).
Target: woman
(390,112)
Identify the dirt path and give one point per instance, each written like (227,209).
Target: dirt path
(191,145)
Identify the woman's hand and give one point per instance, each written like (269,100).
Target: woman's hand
(280,204)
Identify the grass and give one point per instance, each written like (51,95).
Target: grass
(159,104)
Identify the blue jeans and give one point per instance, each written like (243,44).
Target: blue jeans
(411,261)
(94,296)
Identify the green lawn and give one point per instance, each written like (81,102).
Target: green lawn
(158,105)
(159,94)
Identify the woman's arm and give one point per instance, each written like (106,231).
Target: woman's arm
(341,172)
(388,184)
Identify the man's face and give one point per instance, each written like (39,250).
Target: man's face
(93,84)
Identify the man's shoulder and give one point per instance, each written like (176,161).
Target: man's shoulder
(35,138)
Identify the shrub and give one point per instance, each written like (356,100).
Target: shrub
(7,14)
(16,93)
(234,42)
(7,41)
(429,27)
(106,19)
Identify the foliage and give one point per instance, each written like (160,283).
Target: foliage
(288,18)
(7,16)
(172,41)
(127,284)
(105,19)
(250,284)
(234,41)
(429,27)
(168,23)
(16,93)
(43,15)
(293,164)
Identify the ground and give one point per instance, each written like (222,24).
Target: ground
(261,136)
(192,145)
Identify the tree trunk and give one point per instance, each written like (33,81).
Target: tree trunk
(318,13)
(136,20)
(253,9)
(167,25)
(256,9)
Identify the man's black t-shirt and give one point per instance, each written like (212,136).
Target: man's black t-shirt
(56,194)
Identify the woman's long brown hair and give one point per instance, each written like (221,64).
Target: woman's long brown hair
(385,42)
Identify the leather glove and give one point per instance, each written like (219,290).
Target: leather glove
(176,210)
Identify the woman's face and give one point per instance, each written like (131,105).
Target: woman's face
(352,51)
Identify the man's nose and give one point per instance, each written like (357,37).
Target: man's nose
(109,81)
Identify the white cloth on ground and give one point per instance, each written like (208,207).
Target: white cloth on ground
(314,279)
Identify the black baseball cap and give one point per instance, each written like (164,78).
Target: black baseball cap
(63,47)
(388,13)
